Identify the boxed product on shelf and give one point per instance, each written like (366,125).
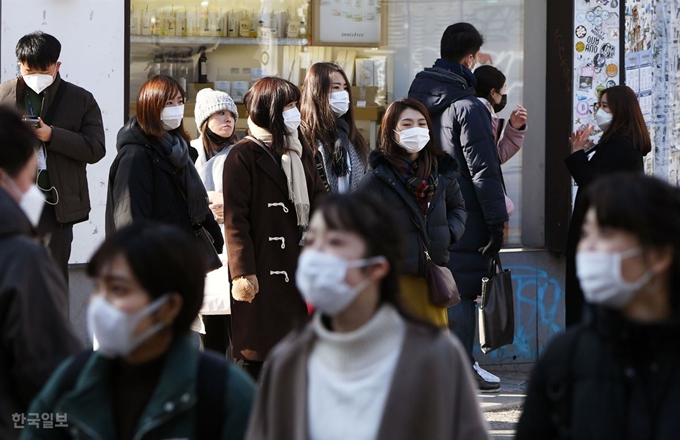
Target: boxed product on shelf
(238,89)
(223,86)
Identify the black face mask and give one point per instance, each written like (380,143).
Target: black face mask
(216,139)
(500,106)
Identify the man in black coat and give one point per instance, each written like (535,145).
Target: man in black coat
(68,122)
(463,126)
(35,335)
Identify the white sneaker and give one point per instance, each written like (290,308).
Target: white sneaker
(485,374)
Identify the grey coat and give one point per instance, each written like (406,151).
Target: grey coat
(432,395)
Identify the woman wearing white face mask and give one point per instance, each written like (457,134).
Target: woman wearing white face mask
(617,375)
(625,141)
(271,187)
(418,182)
(148,378)
(341,153)
(153,177)
(362,369)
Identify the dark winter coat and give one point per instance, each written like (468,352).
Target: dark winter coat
(143,184)
(608,379)
(445,220)
(77,140)
(615,154)
(263,239)
(35,334)
(463,127)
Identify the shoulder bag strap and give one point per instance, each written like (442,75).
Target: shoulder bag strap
(47,119)
(263,146)
(213,376)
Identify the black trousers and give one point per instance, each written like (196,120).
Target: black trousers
(217,334)
(57,238)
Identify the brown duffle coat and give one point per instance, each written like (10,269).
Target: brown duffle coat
(263,238)
(432,395)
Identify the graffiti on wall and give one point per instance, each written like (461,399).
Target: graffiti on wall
(539,314)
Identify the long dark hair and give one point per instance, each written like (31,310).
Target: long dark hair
(428,156)
(318,120)
(153,95)
(367,216)
(163,259)
(488,78)
(265,102)
(646,207)
(627,119)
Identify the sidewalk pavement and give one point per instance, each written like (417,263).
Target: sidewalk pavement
(512,394)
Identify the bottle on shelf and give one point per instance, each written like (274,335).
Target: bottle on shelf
(336,8)
(169,22)
(358,10)
(254,21)
(181,22)
(135,22)
(146,21)
(233,23)
(347,8)
(202,66)
(369,9)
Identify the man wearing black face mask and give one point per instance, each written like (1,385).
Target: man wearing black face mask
(68,122)
(35,335)
(463,125)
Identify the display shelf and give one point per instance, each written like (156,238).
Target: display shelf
(210,41)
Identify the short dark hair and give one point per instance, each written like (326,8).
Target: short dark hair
(163,259)
(38,50)
(488,78)
(645,207)
(153,95)
(265,102)
(18,141)
(460,40)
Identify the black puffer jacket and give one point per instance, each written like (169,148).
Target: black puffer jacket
(463,125)
(35,335)
(607,379)
(143,184)
(446,216)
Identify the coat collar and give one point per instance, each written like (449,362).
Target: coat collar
(268,164)
(89,403)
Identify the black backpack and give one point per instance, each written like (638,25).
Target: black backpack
(213,375)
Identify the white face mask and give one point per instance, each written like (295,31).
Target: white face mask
(115,329)
(603,119)
(31,202)
(414,139)
(320,277)
(601,279)
(171,117)
(291,118)
(38,81)
(340,103)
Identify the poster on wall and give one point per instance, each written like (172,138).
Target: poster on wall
(348,23)
(596,57)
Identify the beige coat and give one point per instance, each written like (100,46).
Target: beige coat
(432,394)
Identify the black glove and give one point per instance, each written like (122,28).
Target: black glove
(493,246)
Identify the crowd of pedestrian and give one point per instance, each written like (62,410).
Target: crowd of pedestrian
(276,285)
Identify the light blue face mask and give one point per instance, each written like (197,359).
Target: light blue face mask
(115,329)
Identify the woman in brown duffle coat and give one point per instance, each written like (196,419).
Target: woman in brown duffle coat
(271,185)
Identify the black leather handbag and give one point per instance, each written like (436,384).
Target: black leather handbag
(497,310)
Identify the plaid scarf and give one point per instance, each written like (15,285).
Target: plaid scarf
(422,190)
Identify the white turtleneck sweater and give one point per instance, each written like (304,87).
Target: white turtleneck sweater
(350,376)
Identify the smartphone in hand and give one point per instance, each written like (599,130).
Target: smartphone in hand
(31,120)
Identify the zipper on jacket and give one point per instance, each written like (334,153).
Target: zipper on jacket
(159,421)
